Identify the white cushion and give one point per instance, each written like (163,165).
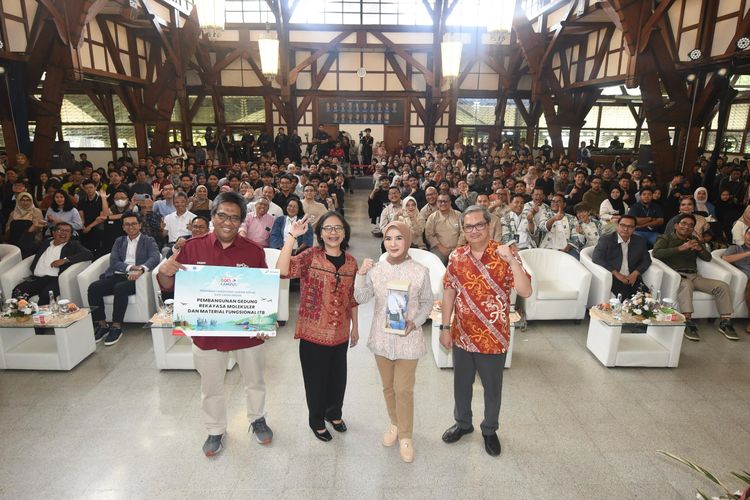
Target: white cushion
(551,290)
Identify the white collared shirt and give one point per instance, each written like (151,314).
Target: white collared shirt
(130,252)
(43,267)
(624,269)
(177,225)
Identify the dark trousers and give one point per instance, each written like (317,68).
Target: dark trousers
(117,285)
(465,367)
(37,285)
(627,291)
(92,240)
(324,372)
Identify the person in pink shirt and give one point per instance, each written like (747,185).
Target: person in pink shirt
(258,224)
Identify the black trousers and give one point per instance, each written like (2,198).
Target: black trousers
(37,285)
(324,372)
(490,368)
(117,285)
(627,291)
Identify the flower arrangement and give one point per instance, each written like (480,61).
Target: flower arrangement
(19,309)
(641,304)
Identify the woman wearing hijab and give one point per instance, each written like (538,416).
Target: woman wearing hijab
(727,211)
(199,203)
(411,216)
(397,354)
(702,205)
(25,225)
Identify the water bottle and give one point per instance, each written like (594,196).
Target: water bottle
(53,303)
(617,313)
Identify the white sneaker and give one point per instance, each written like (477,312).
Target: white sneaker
(407,450)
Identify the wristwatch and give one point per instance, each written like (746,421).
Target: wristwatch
(445,327)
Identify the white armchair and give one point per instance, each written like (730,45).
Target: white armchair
(433,263)
(272,256)
(704,305)
(141,305)
(736,285)
(601,279)
(559,285)
(10,257)
(67,280)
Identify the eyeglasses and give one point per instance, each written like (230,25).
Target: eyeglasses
(470,228)
(130,224)
(332,229)
(626,226)
(443,201)
(222,217)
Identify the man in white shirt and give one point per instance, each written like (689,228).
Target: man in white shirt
(177,223)
(273,209)
(178,151)
(49,262)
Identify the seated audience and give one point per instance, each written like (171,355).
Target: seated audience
(198,227)
(702,205)
(63,210)
(443,228)
(25,225)
(679,250)
(595,196)
(625,255)
(483,201)
(559,229)
(52,259)
(389,213)
(312,208)
(133,255)
(740,227)
(257,225)
(412,217)
(613,207)
(177,223)
(282,225)
(649,215)
(687,206)
(199,203)
(589,228)
(518,227)
(739,256)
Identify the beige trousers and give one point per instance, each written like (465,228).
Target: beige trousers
(398,389)
(718,289)
(212,366)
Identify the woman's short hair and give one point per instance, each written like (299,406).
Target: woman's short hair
(321,222)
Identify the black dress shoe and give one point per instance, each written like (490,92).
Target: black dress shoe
(492,444)
(323,436)
(338,427)
(454,433)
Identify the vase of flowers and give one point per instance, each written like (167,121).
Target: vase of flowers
(641,305)
(21,310)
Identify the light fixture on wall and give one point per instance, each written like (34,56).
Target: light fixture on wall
(451,57)
(268,45)
(743,43)
(211,17)
(695,54)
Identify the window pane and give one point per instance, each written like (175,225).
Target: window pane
(616,117)
(732,142)
(125,134)
(592,117)
(205,112)
(121,113)
(476,111)
(86,136)
(513,117)
(738,117)
(239,109)
(627,137)
(79,109)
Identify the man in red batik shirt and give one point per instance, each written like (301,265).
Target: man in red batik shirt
(478,284)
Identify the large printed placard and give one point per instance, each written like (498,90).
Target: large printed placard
(217,301)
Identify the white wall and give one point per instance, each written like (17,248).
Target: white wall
(98,157)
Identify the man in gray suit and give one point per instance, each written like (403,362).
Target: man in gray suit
(133,255)
(625,255)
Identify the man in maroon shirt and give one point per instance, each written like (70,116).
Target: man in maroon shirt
(223,247)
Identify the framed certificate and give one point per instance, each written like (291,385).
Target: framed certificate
(217,301)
